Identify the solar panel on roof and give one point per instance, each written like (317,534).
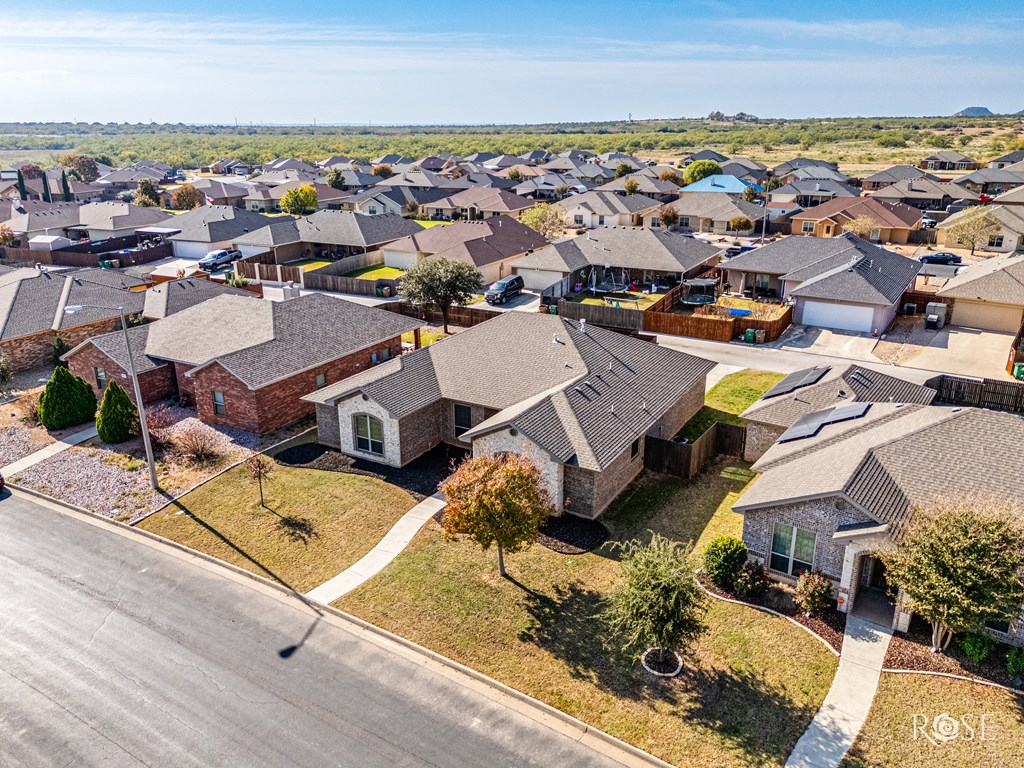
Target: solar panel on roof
(797,380)
(847,412)
(807,425)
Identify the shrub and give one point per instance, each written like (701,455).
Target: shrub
(159,420)
(59,350)
(66,401)
(751,581)
(6,370)
(197,445)
(30,410)
(1015,662)
(976,647)
(118,416)
(723,559)
(813,591)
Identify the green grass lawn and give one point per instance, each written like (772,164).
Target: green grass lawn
(750,685)
(627,300)
(426,223)
(316,523)
(728,399)
(887,738)
(375,272)
(426,338)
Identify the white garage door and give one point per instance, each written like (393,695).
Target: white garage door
(538,279)
(843,317)
(987,317)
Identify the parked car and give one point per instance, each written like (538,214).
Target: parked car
(505,289)
(940,257)
(736,250)
(927,223)
(215,259)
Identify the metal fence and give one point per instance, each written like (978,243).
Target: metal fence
(978,393)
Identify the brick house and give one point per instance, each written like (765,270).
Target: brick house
(246,363)
(840,485)
(32,306)
(577,400)
(894,221)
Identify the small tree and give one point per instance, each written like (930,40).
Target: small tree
(973,227)
(657,599)
(84,167)
(547,220)
(631,187)
(300,200)
(7,236)
(959,565)
(66,401)
(749,194)
(260,468)
(672,177)
(623,169)
(335,178)
(441,284)
(668,216)
(515,175)
(47,194)
(861,226)
(723,558)
(813,592)
(30,171)
(499,500)
(60,348)
(22,190)
(186,197)
(147,194)
(741,224)
(383,170)
(771,183)
(118,415)
(700,169)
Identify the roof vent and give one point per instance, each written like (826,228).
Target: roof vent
(613,407)
(556,340)
(583,326)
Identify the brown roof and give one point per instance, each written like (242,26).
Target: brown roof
(887,214)
(481,242)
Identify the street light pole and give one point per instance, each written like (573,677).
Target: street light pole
(135,385)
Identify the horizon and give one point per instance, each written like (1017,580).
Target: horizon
(402,65)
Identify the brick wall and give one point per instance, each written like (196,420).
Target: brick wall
(421,431)
(614,478)
(355,404)
(760,437)
(157,384)
(578,487)
(327,430)
(35,349)
(185,385)
(675,417)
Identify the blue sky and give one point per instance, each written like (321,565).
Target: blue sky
(478,61)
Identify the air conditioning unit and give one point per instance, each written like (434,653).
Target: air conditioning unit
(910,308)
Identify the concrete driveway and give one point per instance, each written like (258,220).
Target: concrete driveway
(823,341)
(965,351)
(527,301)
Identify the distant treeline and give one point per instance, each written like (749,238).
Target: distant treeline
(191,145)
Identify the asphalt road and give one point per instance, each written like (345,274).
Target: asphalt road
(116,653)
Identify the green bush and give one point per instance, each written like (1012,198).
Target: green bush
(976,647)
(723,558)
(813,591)
(66,401)
(117,417)
(751,581)
(1015,662)
(59,350)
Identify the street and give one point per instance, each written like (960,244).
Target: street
(117,652)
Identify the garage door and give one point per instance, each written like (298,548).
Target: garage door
(987,317)
(843,317)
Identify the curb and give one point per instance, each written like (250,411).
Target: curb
(808,630)
(601,742)
(977,680)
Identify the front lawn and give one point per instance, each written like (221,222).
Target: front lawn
(624,299)
(749,687)
(728,399)
(375,272)
(889,737)
(316,523)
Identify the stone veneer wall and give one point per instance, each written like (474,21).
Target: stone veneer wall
(511,441)
(35,349)
(760,437)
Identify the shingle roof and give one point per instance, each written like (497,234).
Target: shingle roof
(815,187)
(607,203)
(923,189)
(886,213)
(480,242)
(999,279)
(214,223)
(838,386)
(646,185)
(991,175)
(894,459)
(580,395)
(717,206)
(950,156)
(175,295)
(900,173)
(119,215)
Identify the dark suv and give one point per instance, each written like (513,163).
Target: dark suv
(504,289)
(942,257)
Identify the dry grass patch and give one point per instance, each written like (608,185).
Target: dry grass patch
(315,525)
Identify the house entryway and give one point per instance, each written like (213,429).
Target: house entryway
(872,601)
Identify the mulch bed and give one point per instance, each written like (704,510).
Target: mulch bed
(572,535)
(828,624)
(912,651)
(420,477)
(666,666)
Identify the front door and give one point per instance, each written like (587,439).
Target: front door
(878,578)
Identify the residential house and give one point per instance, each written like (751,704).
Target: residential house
(535,157)
(288,164)
(808,193)
(550,186)
(476,204)
(246,363)
(843,282)
(703,154)
(1012,197)
(1008,159)
(603,209)
(578,401)
(708,212)
(171,296)
(745,169)
(124,179)
(784,169)
(393,159)
(948,160)
(218,192)
(895,175)
(721,184)
(617,254)
(212,227)
(817,389)
(100,221)
(492,245)
(32,303)
(1007,237)
(614,159)
(989,294)
(268,200)
(394,200)
(925,193)
(326,234)
(841,486)
(893,221)
(991,181)
(817,173)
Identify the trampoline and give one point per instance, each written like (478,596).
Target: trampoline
(699,291)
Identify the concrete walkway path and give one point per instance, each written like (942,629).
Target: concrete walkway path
(45,453)
(838,721)
(374,561)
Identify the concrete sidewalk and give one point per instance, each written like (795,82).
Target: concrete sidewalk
(374,561)
(48,452)
(837,723)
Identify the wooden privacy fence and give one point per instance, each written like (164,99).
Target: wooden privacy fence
(978,393)
(714,328)
(68,258)
(687,459)
(921,300)
(262,267)
(607,317)
(320,281)
(465,317)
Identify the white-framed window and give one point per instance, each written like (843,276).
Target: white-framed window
(655,221)
(463,418)
(876,234)
(321,380)
(218,403)
(373,210)
(995,241)
(807,227)
(684,222)
(369,433)
(792,549)
(600,221)
(578,219)
(101,378)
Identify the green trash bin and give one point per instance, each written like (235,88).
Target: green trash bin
(1018,371)
(750,336)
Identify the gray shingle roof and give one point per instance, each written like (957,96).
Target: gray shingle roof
(999,279)
(214,223)
(607,203)
(477,242)
(175,295)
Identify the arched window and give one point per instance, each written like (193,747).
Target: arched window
(369,433)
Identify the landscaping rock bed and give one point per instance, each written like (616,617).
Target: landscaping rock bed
(228,438)
(912,651)
(15,443)
(572,535)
